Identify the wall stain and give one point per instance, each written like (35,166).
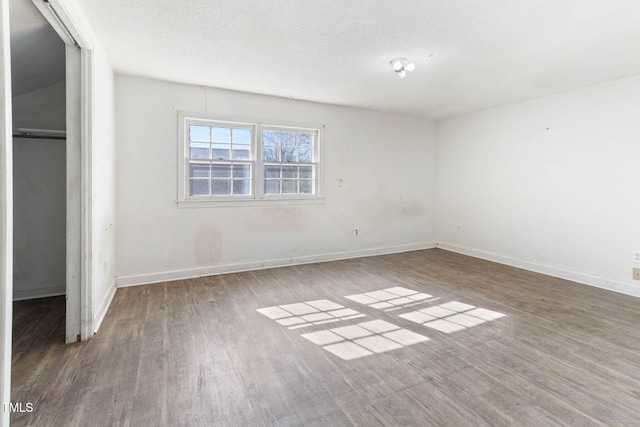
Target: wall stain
(208,245)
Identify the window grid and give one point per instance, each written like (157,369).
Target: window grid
(241,161)
(219,162)
(288,155)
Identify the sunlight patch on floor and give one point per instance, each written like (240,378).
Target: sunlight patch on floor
(308,313)
(452,317)
(354,341)
(364,339)
(390,298)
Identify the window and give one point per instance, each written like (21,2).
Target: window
(219,159)
(233,161)
(288,160)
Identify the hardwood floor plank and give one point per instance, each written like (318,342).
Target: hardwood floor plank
(198,352)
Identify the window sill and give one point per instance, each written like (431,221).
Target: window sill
(186,204)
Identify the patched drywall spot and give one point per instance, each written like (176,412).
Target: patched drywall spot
(208,246)
(413,209)
(385,209)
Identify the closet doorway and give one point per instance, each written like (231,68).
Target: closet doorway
(47,228)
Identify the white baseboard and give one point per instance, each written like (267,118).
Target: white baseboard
(104,306)
(574,276)
(42,292)
(166,276)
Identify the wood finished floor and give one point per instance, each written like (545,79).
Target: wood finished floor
(197,353)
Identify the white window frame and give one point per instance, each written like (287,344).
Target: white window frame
(187,158)
(257,196)
(315,163)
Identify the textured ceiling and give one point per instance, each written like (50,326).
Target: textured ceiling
(470,54)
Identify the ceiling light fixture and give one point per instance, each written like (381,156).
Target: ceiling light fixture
(401,66)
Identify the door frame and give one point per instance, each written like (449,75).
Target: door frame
(6,213)
(79,321)
(79,86)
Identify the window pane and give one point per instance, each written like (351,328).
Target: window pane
(199,133)
(304,155)
(270,154)
(199,150)
(289,171)
(272,171)
(306,186)
(289,154)
(221,151)
(241,152)
(270,137)
(199,170)
(305,139)
(289,186)
(288,138)
(241,171)
(241,136)
(220,187)
(306,171)
(221,171)
(272,186)
(198,187)
(241,186)
(221,134)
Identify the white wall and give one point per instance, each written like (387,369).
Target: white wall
(379,176)
(39,226)
(103,188)
(549,185)
(43,108)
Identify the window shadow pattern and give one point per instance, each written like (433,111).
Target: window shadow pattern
(309,313)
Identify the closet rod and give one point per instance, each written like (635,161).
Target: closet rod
(27,136)
(39,133)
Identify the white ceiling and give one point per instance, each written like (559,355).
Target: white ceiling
(37,53)
(470,54)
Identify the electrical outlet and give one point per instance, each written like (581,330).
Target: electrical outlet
(356,232)
(636,257)
(636,274)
